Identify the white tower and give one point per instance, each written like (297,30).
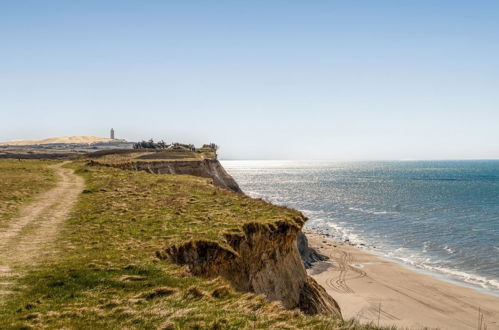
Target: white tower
(112,133)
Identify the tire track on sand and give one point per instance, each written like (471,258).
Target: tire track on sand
(346,272)
(27,239)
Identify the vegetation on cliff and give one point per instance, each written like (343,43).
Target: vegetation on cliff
(107,273)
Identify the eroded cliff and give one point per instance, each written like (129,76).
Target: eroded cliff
(207,168)
(266,257)
(261,258)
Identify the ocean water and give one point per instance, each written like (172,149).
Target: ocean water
(437,216)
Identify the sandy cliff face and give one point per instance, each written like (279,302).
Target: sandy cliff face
(263,259)
(207,168)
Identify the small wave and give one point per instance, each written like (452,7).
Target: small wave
(254,194)
(460,276)
(481,281)
(345,234)
(425,246)
(398,250)
(335,230)
(448,249)
(313,213)
(358,209)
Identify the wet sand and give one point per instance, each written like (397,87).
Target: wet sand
(371,288)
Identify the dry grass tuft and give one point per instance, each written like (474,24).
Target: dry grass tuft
(131,278)
(221,292)
(220,324)
(168,325)
(193,292)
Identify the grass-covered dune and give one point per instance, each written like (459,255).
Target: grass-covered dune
(107,274)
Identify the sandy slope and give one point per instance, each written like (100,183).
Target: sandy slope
(27,239)
(62,139)
(368,287)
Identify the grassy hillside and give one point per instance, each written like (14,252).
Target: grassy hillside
(107,276)
(20,182)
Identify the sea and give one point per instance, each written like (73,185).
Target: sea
(438,217)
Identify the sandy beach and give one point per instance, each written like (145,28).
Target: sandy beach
(370,288)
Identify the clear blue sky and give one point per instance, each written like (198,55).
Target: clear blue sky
(263,79)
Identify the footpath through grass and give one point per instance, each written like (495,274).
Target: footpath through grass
(107,275)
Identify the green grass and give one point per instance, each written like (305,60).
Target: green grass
(20,182)
(107,276)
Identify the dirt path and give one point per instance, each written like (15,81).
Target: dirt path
(27,239)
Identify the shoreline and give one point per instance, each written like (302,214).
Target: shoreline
(446,277)
(369,287)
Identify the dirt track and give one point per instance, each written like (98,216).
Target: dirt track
(28,239)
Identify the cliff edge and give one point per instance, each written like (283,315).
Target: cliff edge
(265,253)
(206,168)
(261,258)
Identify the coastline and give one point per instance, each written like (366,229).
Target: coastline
(369,287)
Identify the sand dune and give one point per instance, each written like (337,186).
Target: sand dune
(61,139)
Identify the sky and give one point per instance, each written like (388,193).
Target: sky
(339,80)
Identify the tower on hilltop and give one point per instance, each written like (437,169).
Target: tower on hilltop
(112,133)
